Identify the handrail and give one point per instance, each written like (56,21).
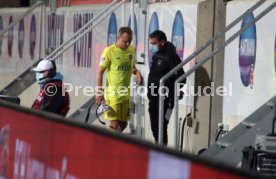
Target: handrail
(24,14)
(30,79)
(42,31)
(168,75)
(82,31)
(201,62)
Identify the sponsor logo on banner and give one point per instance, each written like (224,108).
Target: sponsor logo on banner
(10,37)
(36,147)
(1,38)
(154,25)
(55,33)
(27,167)
(135,35)
(32,37)
(21,38)
(83,47)
(178,34)
(247,52)
(112,30)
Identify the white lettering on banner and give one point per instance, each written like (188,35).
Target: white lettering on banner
(247,47)
(178,41)
(35,169)
(26,167)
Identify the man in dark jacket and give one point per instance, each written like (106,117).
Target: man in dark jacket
(53,96)
(164,59)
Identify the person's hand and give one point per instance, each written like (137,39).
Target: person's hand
(181,95)
(139,78)
(99,99)
(99,95)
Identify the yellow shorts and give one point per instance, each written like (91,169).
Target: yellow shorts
(118,111)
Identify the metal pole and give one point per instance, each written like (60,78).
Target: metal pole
(201,62)
(168,75)
(274,118)
(53,6)
(42,31)
(134,125)
(132,18)
(123,14)
(145,12)
(45,28)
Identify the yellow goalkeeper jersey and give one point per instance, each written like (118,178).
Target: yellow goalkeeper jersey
(119,65)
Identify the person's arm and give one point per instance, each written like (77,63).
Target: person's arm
(100,95)
(180,72)
(105,63)
(138,74)
(52,98)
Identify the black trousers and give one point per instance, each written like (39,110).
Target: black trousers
(154,120)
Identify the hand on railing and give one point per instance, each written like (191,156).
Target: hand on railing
(181,95)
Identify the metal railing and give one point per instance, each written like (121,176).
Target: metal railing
(42,41)
(8,90)
(168,75)
(201,62)
(24,14)
(25,79)
(84,30)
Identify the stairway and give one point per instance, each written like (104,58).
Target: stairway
(229,148)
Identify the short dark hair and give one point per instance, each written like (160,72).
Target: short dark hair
(160,35)
(127,30)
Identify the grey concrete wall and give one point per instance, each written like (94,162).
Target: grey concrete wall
(203,76)
(208,108)
(217,70)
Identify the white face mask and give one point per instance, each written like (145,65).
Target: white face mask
(154,48)
(40,77)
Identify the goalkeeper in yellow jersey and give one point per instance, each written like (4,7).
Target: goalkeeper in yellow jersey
(117,61)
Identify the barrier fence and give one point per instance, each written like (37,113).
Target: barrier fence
(35,144)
